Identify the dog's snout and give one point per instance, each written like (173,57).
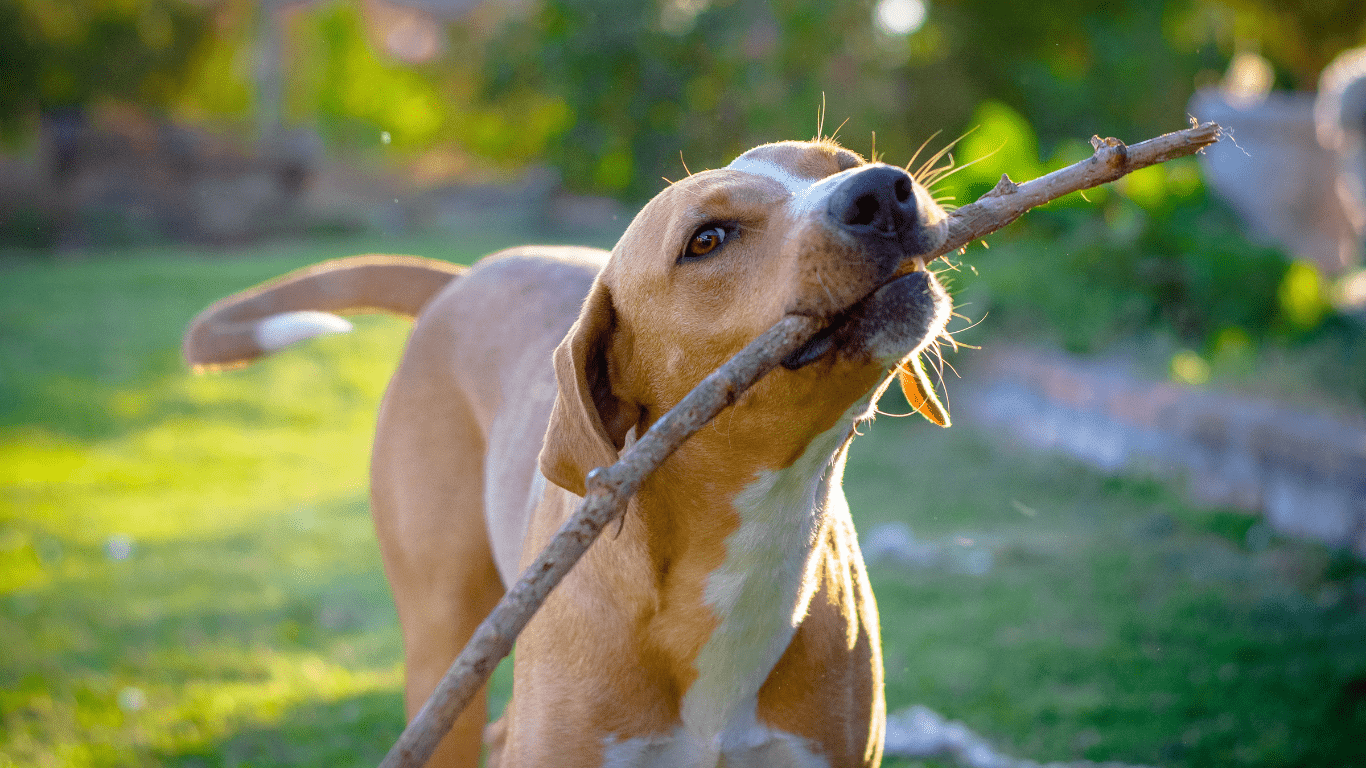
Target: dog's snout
(878,200)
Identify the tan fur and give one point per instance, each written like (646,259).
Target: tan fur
(549,360)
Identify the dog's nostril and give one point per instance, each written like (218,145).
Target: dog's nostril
(863,212)
(902,189)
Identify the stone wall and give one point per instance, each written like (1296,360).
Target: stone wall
(1305,472)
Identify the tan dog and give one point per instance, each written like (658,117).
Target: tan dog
(730,621)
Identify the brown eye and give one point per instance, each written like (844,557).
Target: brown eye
(706,241)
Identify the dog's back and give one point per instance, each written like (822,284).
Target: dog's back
(483,347)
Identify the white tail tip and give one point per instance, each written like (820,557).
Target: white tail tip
(279,331)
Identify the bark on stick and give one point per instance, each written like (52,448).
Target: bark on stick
(609,488)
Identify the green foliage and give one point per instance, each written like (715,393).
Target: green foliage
(1091,277)
(218,83)
(1075,68)
(1152,251)
(65,53)
(1096,277)
(611,92)
(1300,36)
(711,79)
(644,83)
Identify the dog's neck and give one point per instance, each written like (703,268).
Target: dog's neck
(735,555)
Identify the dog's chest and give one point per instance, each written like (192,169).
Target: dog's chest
(759,596)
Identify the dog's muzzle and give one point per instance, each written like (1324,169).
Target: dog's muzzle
(877,208)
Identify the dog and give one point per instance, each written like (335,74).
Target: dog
(729,621)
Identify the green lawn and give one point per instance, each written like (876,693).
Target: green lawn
(188,574)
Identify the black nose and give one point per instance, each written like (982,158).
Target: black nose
(877,200)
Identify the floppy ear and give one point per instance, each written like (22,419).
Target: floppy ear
(588,423)
(919,391)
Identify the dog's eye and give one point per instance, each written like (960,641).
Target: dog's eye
(705,242)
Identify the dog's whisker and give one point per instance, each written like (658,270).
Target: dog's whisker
(949,365)
(948,401)
(828,294)
(927,176)
(949,172)
(974,324)
(921,148)
(930,176)
(940,154)
(948,146)
(820,119)
(836,134)
(938,362)
(953,341)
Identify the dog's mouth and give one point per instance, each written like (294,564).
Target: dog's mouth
(840,328)
(890,325)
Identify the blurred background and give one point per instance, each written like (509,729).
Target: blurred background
(1142,541)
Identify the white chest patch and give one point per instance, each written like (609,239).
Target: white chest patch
(759,595)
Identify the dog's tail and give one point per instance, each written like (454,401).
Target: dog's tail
(240,328)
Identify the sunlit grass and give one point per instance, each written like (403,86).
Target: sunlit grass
(187,561)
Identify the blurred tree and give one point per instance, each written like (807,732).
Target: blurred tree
(647,81)
(611,91)
(64,54)
(1075,68)
(353,92)
(643,81)
(356,94)
(1300,37)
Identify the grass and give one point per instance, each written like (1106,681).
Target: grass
(188,576)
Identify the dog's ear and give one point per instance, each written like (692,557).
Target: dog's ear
(919,391)
(589,422)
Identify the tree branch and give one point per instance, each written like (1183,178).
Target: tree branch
(1112,160)
(609,488)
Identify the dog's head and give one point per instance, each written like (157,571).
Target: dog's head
(716,259)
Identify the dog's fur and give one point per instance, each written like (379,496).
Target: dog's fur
(730,620)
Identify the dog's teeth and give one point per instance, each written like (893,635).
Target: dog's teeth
(917,264)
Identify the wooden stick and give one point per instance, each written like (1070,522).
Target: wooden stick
(1112,159)
(608,488)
